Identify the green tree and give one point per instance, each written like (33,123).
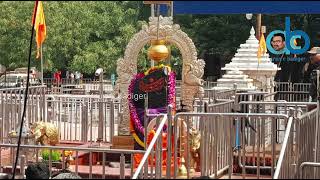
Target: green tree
(81,36)
(15,26)
(89,36)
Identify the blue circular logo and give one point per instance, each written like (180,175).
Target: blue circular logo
(290,37)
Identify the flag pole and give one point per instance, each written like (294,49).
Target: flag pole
(41,65)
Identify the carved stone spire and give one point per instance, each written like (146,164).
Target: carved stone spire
(252,31)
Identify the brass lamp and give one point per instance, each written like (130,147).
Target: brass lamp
(158,51)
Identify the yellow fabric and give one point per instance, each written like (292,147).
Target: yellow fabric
(134,135)
(157,67)
(40,27)
(262,49)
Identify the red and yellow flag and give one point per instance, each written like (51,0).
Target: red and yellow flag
(39,26)
(262,49)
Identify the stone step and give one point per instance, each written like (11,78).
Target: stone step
(122,141)
(122,147)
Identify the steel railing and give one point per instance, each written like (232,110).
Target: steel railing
(299,147)
(154,151)
(34,154)
(11,107)
(84,120)
(307,133)
(79,118)
(286,165)
(277,107)
(292,91)
(223,134)
(302,169)
(219,137)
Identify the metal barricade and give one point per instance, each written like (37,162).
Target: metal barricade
(151,165)
(225,135)
(247,96)
(307,134)
(77,117)
(307,174)
(71,86)
(11,108)
(226,94)
(209,84)
(84,119)
(299,148)
(286,164)
(277,107)
(213,95)
(292,92)
(92,169)
(226,106)
(269,96)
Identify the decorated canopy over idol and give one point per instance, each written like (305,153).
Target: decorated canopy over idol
(146,95)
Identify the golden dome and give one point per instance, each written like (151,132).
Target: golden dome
(158,50)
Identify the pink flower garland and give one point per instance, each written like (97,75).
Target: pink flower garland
(172,88)
(133,111)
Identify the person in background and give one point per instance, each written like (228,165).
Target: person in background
(37,171)
(55,76)
(67,76)
(81,78)
(77,74)
(312,64)
(65,174)
(310,73)
(59,78)
(72,78)
(282,60)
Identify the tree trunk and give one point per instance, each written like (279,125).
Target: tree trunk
(5,76)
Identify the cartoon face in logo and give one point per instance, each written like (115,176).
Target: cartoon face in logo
(275,46)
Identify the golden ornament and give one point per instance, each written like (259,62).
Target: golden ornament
(45,133)
(158,50)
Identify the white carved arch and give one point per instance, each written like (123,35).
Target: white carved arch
(127,66)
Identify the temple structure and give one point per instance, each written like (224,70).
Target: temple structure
(235,77)
(246,60)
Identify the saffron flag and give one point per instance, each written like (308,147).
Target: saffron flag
(262,49)
(39,26)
